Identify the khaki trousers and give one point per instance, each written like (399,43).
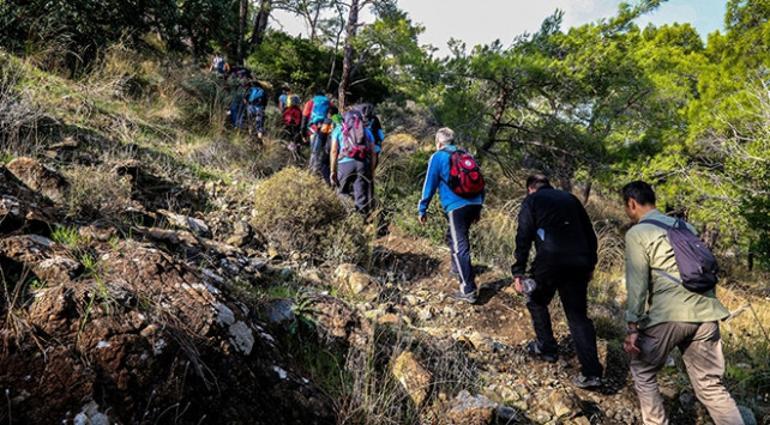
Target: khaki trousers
(701,349)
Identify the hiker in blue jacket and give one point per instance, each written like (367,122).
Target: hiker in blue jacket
(461,212)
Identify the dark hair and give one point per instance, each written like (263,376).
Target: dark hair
(537,181)
(639,191)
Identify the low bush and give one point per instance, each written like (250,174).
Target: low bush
(295,212)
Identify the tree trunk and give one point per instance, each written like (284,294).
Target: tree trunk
(260,22)
(587,191)
(333,65)
(347,54)
(313,22)
(242,16)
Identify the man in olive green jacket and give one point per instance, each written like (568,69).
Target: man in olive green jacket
(662,314)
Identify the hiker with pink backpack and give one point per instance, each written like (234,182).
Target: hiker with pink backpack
(352,160)
(456,175)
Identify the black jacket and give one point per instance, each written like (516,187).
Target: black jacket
(562,232)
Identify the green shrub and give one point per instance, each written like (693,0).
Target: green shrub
(405,219)
(67,236)
(295,212)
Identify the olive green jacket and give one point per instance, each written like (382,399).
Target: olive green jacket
(655,294)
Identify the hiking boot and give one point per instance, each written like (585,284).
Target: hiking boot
(533,348)
(587,382)
(469,298)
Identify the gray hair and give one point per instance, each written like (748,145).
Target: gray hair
(445,136)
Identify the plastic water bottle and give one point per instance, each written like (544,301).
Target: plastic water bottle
(528,284)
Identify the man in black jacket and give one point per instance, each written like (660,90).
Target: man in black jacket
(566,256)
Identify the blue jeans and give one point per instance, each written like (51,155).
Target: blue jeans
(458,239)
(257,115)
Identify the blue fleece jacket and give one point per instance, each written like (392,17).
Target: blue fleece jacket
(436,179)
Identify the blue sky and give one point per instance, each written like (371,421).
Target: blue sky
(483,21)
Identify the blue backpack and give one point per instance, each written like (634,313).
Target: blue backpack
(255,95)
(320,108)
(697,265)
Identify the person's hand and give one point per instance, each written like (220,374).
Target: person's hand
(423,219)
(334,179)
(629,345)
(517,284)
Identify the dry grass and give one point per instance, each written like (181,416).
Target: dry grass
(374,397)
(610,248)
(20,117)
(494,236)
(16,295)
(96,189)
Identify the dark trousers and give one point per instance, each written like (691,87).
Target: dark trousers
(573,292)
(355,181)
(458,239)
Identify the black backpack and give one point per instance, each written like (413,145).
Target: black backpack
(697,265)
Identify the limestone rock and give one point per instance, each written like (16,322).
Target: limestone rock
(242,234)
(191,224)
(57,269)
(563,404)
(471,410)
(580,420)
(90,415)
(11,213)
(40,178)
(415,379)
(349,278)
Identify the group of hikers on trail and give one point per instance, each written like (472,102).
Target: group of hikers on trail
(344,145)
(671,278)
(671,275)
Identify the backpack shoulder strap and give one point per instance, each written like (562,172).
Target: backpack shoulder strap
(660,224)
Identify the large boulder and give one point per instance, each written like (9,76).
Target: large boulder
(40,177)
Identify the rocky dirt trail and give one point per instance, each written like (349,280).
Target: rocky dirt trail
(495,332)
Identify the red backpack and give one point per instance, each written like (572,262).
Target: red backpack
(292,116)
(465,177)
